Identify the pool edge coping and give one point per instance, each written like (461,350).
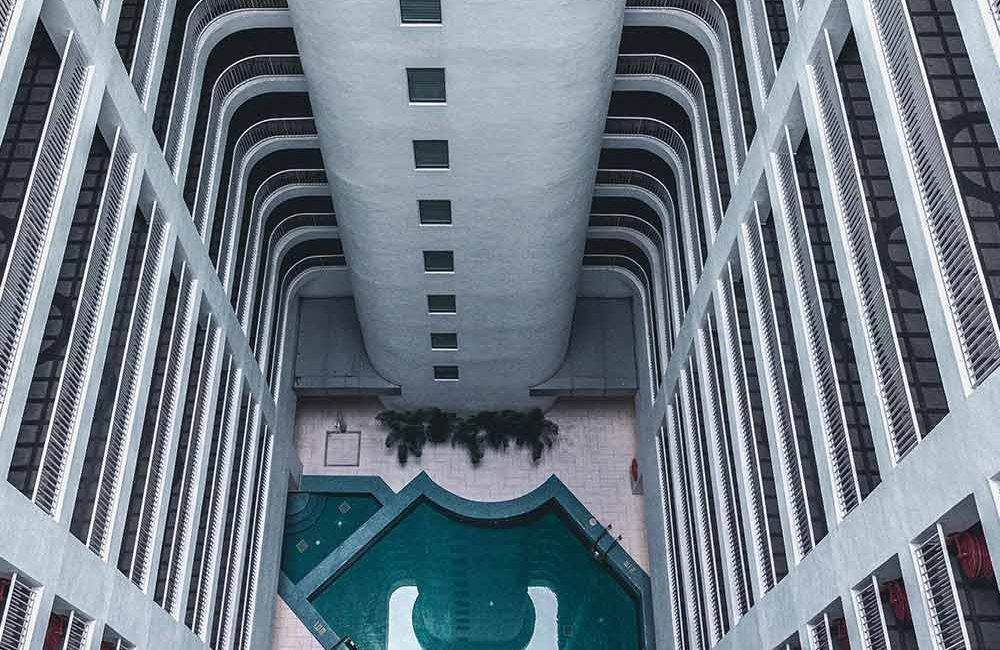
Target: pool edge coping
(395,505)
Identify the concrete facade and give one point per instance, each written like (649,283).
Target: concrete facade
(517,241)
(756,433)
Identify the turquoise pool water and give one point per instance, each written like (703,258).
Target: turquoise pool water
(315,524)
(434,581)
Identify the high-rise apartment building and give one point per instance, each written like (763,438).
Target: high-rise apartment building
(744,254)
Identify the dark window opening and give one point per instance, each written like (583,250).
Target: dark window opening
(430,154)
(439,261)
(426,85)
(420,11)
(434,212)
(446,373)
(441,304)
(444,341)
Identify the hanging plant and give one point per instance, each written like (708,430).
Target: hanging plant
(409,431)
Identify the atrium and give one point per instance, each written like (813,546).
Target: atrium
(479,325)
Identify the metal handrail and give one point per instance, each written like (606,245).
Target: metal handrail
(649,236)
(937,582)
(658,190)
(166,414)
(224,91)
(628,264)
(713,16)
(733,347)
(684,79)
(186,95)
(863,258)
(30,241)
(139,341)
(151,35)
(266,304)
(776,383)
(947,222)
(678,153)
(820,352)
(180,547)
(251,142)
(272,187)
(82,348)
(278,348)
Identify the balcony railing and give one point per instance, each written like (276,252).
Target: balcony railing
(677,150)
(969,303)
(670,253)
(245,155)
(33,228)
(711,14)
(266,306)
(187,91)
(280,183)
(237,76)
(82,347)
(847,492)
(278,348)
(686,82)
(863,258)
(141,338)
(632,268)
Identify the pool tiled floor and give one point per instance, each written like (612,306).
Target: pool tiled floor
(597,442)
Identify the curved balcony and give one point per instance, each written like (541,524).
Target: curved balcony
(254,144)
(709,15)
(227,92)
(293,267)
(635,273)
(672,144)
(273,190)
(204,28)
(640,233)
(279,237)
(684,86)
(649,186)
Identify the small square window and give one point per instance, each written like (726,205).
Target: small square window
(434,212)
(430,154)
(426,85)
(446,373)
(420,11)
(444,341)
(439,261)
(441,303)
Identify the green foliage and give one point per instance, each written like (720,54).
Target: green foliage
(410,431)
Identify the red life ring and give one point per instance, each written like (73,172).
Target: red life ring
(635,470)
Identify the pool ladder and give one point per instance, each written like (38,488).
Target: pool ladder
(601,553)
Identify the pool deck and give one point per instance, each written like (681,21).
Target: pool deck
(296,595)
(597,442)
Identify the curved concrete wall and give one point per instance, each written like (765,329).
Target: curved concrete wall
(528,85)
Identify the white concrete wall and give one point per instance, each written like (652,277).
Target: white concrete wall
(528,83)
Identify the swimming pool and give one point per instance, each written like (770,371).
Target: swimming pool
(434,580)
(316,524)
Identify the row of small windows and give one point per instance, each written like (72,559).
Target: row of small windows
(427,86)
